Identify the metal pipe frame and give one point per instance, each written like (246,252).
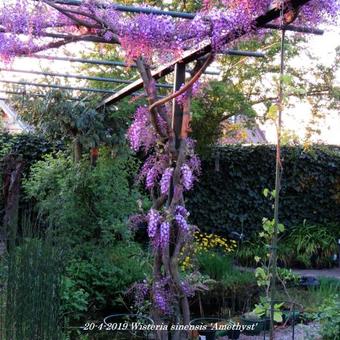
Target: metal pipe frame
(244,53)
(185,15)
(94,62)
(293,28)
(136,94)
(66,75)
(81,60)
(53,86)
(23,93)
(133,9)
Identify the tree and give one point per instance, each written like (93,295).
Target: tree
(75,123)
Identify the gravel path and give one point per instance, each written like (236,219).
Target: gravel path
(302,332)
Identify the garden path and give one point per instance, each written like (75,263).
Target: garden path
(302,332)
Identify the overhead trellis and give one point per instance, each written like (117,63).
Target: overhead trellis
(173,40)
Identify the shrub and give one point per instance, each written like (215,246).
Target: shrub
(310,246)
(330,318)
(88,208)
(307,246)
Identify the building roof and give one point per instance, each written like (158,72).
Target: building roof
(11,121)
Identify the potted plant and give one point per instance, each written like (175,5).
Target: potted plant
(231,331)
(256,323)
(291,316)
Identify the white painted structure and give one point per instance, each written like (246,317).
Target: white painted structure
(10,120)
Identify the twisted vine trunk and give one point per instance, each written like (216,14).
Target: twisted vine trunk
(166,259)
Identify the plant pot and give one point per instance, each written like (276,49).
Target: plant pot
(291,316)
(259,325)
(209,333)
(230,333)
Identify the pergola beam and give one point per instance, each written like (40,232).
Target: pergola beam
(194,54)
(244,53)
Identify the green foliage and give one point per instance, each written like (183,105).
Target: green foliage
(30,148)
(94,201)
(232,198)
(220,268)
(59,118)
(311,300)
(262,309)
(98,278)
(215,265)
(89,207)
(306,246)
(219,102)
(32,292)
(312,245)
(330,318)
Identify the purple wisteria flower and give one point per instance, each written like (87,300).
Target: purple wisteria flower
(182,222)
(188,290)
(187,177)
(150,36)
(180,210)
(140,292)
(166,180)
(153,169)
(164,237)
(162,295)
(154,219)
(141,133)
(151,178)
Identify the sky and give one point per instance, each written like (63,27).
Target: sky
(297,119)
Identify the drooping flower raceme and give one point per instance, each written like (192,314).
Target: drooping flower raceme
(182,223)
(166,180)
(164,234)
(187,177)
(154,218)
(141,134)
(140,35)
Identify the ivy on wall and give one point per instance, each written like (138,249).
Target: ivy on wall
(229,196)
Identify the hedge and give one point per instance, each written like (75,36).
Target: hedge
(229,195)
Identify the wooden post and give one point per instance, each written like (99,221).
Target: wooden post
(177,109)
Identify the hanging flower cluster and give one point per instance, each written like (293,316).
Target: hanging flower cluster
(142,34)
(159,225)
(194,92)
(141,134)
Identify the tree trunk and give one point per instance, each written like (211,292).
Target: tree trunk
(78,149)
(11,192)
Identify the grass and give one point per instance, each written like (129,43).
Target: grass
(313,298)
